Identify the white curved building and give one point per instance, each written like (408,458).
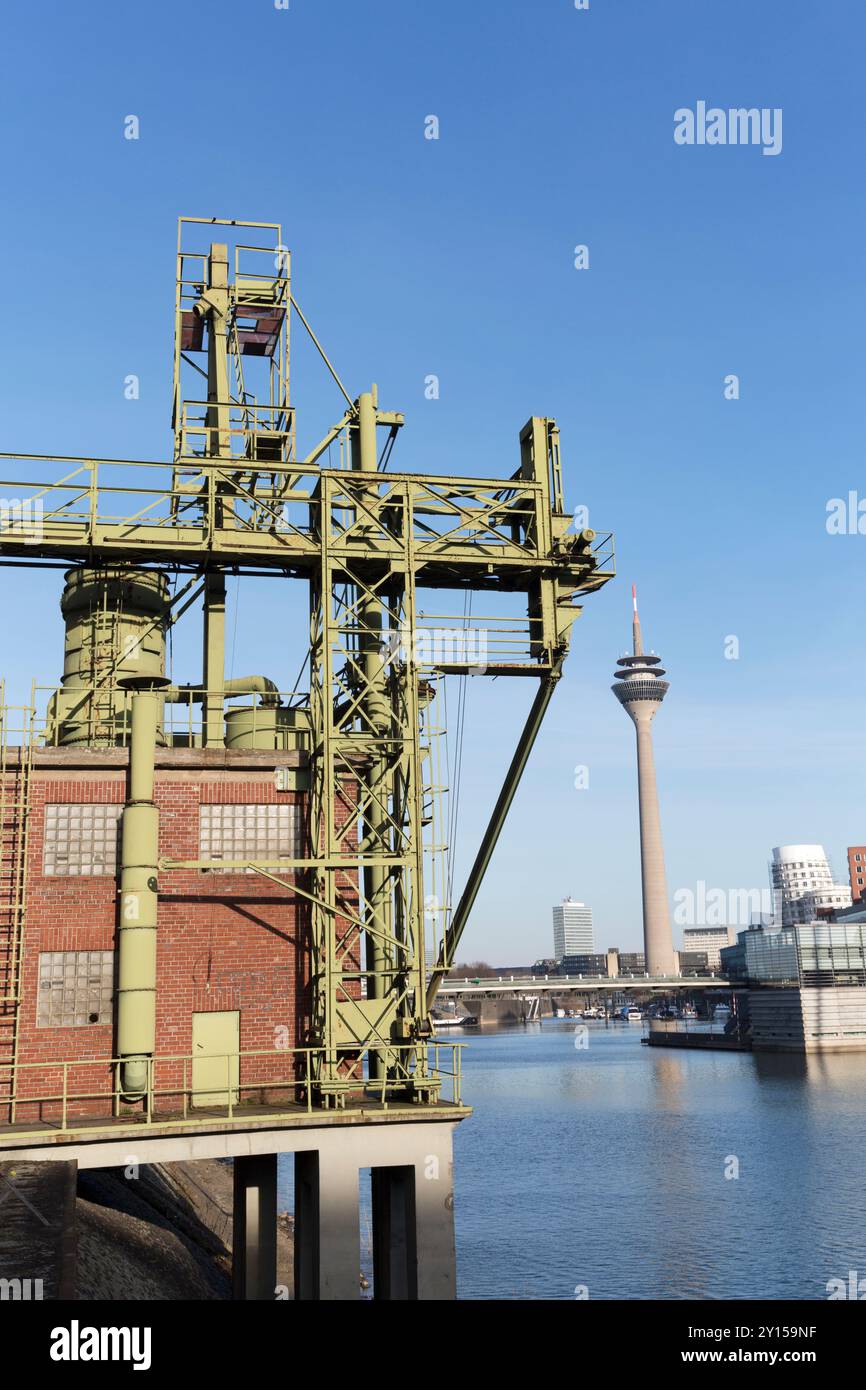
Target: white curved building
(803,884)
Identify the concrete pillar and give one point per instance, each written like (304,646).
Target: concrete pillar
(327,1225)
(434,1217)
(413,1214)
(254,1245)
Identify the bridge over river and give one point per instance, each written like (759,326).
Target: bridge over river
(581,984)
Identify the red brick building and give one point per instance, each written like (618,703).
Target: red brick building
(228,943)
(857,870)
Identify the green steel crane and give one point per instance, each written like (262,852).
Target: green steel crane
(367,540)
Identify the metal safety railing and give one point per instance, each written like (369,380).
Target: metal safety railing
(225,1088)
(57,501)
(252,433)
(99,714)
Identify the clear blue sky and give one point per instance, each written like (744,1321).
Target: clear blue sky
(455,257)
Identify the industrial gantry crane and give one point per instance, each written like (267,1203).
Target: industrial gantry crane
(368,540)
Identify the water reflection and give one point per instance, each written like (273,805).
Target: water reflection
(609,1168)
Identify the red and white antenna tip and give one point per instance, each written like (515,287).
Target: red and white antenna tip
(634,596)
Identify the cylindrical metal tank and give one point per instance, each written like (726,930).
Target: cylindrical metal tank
(115,620)
(267,726)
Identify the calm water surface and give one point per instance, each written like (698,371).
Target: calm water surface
(605,1166)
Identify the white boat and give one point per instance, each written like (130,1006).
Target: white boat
(451,1021)
(633,1016)
(721,1011)
(688,1011)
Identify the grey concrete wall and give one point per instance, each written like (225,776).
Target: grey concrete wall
(37,1230)
(808,1019)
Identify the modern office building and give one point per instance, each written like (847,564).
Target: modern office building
(806,985)
(640,690)
(695,963)
(572,929)
(612,963)
(803,887)
(709,941)
(857,870)
(594,963)
(733,958)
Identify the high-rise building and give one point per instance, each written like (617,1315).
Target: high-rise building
(572,929)
(857,870)
(803,885)
(640,689)
(712,940)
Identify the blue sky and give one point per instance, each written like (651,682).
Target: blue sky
(455,257)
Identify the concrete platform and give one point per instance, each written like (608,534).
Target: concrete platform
(96,1142)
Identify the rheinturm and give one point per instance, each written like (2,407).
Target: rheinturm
(640,689)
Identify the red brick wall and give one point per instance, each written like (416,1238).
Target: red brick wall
(63,914)
(857,871)
(225,941)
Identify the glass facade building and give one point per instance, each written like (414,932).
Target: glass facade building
(814,954)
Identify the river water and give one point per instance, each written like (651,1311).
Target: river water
(600,1170)
(603,1168)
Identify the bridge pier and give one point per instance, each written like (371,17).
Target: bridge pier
(414,1255)
(327,1229)
(410,1162)
(254,1242)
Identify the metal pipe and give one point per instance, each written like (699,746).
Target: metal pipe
(254,685)
(136,972)
(377,712)
(491,835)
(213,662)
(240,685)
(366,455)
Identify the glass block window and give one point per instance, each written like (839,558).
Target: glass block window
(75,988)
(249,832)
(81,839)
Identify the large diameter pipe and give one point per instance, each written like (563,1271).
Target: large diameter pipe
(239,685)
(136,984)
(365,453)
(253,685)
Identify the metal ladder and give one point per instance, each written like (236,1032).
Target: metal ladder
(16,763)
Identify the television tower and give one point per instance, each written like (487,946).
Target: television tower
(640,690)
